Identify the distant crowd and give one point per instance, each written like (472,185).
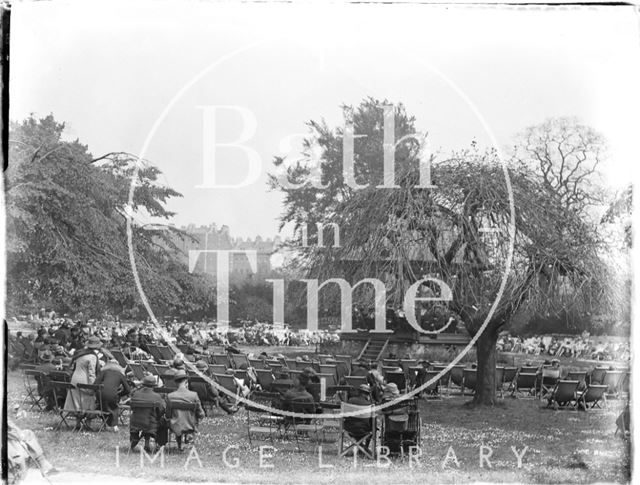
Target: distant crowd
(582,346)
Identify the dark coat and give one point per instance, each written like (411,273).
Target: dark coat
(146,419)
(112,378)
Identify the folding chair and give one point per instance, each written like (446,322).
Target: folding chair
(137,370)
(563,394)
(580,376)
(509,376)
(355,381)
(265,378)
(358,443)
(329,369)
(120,357)
(217,368)
(98,413)
(239,361)
(172,407)
(528,370)
(397,378)
(433,391)
(330,379)
(166,353)
(155,352)
(345,359)
(597,375)
(221,359)
(548,380)
(612,380)
(228,382)
(592,396)
(257,364)
(525,381)
(262,422)
(303,427)
(32,380)
(60,390)
(201,387)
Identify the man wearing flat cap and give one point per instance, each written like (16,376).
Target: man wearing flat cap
(147,416)
(183,422)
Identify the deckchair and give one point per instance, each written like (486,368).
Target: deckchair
(612,380)
(265,378)
(592,396)
(262,422)
(362,442)
(524,381)
(563,394)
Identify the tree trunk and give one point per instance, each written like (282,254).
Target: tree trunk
(486,371)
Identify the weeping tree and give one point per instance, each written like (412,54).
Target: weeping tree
(66,227)
(462,232)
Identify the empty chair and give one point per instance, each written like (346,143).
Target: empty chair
(240,361)
(265,378)
(329,369)
(217,368)
(355,381)
(221,359)
(257,364)
(525,382)
(528,369)
(612,379)
(563,394)
(580,376)
(592,396)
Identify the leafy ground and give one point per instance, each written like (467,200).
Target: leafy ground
(562,447)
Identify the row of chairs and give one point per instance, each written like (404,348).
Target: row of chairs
(263,424)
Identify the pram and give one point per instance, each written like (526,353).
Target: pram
(401,427)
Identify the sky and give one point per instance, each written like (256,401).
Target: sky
(173,84)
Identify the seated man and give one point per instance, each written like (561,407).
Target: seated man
(208,393)
(45,389)
(183,421)
(357,427)
(297,398)
(147,415)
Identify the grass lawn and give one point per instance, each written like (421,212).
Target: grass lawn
(562,446)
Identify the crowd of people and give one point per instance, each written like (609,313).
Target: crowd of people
(582,346)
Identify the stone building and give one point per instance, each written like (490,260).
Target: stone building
(212,238)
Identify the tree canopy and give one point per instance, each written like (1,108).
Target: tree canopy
(66,217)
(459,232)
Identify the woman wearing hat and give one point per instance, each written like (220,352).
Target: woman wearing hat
(85,368)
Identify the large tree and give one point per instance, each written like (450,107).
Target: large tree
(459,232)
(66,227)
